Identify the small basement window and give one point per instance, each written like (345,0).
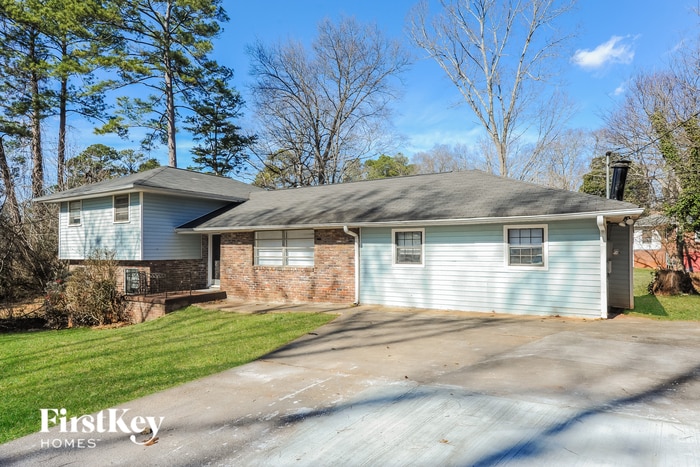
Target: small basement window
(526,246)
(121,208)
(74,212)
(408,247)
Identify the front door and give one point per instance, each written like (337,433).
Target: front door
(215,259)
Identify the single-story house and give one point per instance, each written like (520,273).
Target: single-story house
(461,240)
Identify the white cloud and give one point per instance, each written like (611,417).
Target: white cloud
(620,90)
(612,51)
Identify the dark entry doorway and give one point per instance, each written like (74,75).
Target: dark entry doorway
(215,260)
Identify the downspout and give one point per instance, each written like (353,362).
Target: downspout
(603,266)
(357,262)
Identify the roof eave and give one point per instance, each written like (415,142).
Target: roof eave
(138,188)
(636,212)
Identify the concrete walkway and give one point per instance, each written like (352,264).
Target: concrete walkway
(385,387)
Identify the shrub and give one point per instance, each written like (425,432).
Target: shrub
(89,297)
(55,312)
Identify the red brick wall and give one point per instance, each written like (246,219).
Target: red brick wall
(331,280)
(652,259)
(180,274)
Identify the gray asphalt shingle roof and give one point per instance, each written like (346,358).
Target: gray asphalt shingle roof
(653,220)
(166,180)
(437,197)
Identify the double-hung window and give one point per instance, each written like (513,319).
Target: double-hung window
(121,208)
(293,248)
(409,247)
(74,212)
(526,246)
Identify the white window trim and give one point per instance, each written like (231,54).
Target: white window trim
(284,250)
(545,248)
(128,209)
(393,249)
(71,224)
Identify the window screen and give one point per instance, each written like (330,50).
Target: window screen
(121,208)
(525,247)
(409,247)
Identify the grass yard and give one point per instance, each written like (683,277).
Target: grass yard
(681,307)
(86,370)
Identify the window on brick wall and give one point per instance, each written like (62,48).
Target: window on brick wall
(284,248)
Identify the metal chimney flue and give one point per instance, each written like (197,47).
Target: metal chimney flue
(619,177)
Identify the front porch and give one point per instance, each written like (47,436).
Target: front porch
(147,307)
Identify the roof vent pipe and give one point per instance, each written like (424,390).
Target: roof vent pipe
(619,177)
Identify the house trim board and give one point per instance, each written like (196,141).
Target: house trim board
(602,227)
(611,216)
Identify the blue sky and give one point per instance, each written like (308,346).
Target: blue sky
(615,39)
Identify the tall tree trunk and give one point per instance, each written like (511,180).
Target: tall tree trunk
(10,198)
(35,117)
(169,93)
(170,110)
(62,110)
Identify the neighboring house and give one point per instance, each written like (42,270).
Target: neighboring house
(655,245)
(463,240)
(650,241)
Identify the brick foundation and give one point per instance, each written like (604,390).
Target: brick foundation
(331,280)
(179,274)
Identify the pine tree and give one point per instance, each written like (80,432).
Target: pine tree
(166,44)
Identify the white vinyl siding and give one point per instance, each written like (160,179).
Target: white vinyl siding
(121,208)
(284,248)
(98,231)
(161,215)
(464,271)
(647,238)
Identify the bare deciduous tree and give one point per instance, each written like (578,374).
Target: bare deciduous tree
(444,158)
(658,124)
(498,54)
(566,160)
(323,109)
(628,129)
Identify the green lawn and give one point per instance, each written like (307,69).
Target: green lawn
(86,370)
(681,307)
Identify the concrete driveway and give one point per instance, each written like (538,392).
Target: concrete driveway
(386,387)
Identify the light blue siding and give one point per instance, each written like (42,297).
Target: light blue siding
(465,269)
(161,215)
(97,230)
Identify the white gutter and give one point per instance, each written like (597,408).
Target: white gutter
(357,262)
(602,227)
(422,223)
